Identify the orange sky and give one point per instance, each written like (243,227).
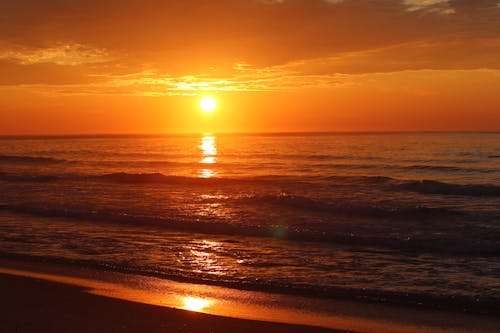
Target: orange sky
(128,66)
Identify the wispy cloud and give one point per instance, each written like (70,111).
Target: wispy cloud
(245,79)
(231,45)
(431,6)
(419,4)
(343,69)
(62,54)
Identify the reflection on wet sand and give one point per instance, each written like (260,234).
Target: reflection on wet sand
(345,315)
(195,303)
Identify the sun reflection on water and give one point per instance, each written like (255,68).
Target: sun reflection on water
(207,173)
(208,147)
(208,155)
(204,258)
(208,160)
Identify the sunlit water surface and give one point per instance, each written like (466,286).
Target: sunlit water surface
(410,218)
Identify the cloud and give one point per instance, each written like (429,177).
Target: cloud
(465,7)
(183,47)
(209,33)
(63,54)
(150,83)
(422,4)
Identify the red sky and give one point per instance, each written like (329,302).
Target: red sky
(105,66)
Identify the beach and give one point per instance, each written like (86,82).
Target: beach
(36,304)
(33,305)
(41,297)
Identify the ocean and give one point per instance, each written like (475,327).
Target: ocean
(406,218)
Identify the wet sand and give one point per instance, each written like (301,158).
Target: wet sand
(49,297)
(34,305)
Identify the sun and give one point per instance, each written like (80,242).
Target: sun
(208,104)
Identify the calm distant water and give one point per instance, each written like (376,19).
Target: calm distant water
(409,217)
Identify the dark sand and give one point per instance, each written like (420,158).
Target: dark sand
(33,305)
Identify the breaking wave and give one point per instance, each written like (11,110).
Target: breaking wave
(328,235)
(30,159)
(435,187)
(373,182)
(348,209)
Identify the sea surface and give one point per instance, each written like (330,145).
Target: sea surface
(410,218)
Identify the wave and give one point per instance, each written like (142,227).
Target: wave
(414,167)
(27,178)
(436,187)
(159,178)
(385,183)
(445,168)
(443,301)
(311,157)
(380,182)
(349,209)
(369,180)
(326,235)
(420,186)
(30,159)
(147,178)
(110,216)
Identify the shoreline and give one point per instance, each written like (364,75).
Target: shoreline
(35,305)
(453,304)
(228,306)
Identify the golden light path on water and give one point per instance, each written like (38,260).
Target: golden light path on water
(208,155)
(202,257)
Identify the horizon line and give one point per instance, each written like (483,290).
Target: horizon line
(157,134)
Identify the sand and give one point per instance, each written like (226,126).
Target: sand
(34,305)
(49,297)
